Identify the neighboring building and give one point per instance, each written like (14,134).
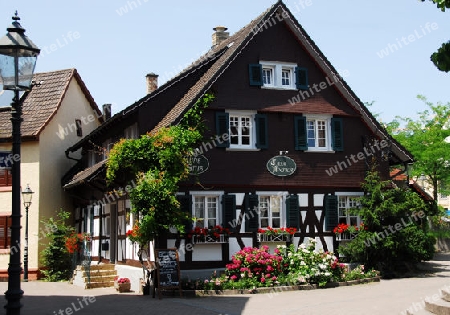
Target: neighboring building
(57,112)
(278,99)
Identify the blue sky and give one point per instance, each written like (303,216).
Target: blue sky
(114,44)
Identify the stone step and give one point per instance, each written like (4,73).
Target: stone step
(97,267)
(95,285)
(98,273)
(99,278)
(439,307)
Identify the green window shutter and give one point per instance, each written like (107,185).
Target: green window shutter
(251,213)
(262,136)
(301,141)
(222,128)
(292,212)
(255,74)
(337,134)
(228,211)
(301,76)
(330,203)
(186,207)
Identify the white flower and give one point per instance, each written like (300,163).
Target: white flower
(302,246)
(290,254)
(302,263)
(322,266)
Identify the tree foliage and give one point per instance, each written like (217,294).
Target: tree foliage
(158,162)
(55,258)
(441,58)
(426,138)
(395,227)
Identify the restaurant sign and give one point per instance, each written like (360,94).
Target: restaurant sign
(281,165)
(198,164)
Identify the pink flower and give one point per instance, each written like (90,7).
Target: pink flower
(263,280)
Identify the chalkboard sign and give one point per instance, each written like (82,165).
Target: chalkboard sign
(168,267)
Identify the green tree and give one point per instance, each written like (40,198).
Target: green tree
(158,162)
(441,58)
(426,138)
(395,227)
(55,258)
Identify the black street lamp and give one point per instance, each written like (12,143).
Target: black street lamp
(27,194)
(18,57)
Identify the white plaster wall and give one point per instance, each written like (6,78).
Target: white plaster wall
(53,162)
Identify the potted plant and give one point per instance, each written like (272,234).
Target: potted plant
(122,284)
(216,234)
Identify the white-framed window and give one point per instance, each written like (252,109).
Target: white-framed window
(206,209)
(242,131)
(278,75)
(318,130)
(268,76)
(271,210)
(345,203)
(286,77)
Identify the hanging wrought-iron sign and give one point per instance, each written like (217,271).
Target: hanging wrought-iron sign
(281,165)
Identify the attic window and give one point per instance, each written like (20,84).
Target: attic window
(79,129)
(278,75)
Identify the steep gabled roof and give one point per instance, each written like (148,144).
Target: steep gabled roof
(236,43)
(42,103)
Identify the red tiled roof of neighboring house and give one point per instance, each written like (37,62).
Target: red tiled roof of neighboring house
(42,103)
(398,175)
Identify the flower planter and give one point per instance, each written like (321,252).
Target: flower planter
(262,237)
(206,239)
(122,287)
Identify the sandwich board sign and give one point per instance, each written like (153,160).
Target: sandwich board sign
(168,270)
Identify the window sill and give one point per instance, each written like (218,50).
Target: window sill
(5,251)
(273,87)
(319,151)
(243,149)
(5,188)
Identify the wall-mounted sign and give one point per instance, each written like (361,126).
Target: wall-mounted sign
(198,164)
(281,166)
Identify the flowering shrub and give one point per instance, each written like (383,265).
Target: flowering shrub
(121,280)
(208,234)
(74,241)
(280,231)
(254,267)
(134,234)
(305,265)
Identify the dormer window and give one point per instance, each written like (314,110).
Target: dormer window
(278,75)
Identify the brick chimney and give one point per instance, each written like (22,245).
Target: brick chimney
(106,111)
(152,82)
(219,35)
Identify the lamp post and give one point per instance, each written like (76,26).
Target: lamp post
(27,194)
(18,57)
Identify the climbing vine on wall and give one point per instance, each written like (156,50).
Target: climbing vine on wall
(158,162)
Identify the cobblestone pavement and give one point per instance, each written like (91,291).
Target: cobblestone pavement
(385,297)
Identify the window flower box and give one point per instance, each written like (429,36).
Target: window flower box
(212,235)
(273,238)
(346,232)
(276,235)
